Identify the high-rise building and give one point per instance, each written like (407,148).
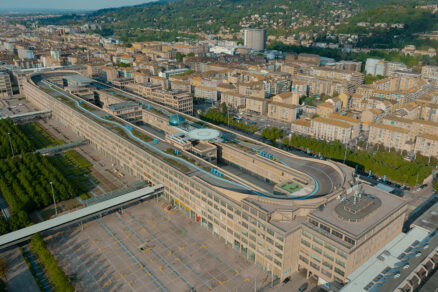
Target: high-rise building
(5,85)
(375,67)
(55,54)
(255,38)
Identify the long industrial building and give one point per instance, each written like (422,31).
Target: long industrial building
(280,211)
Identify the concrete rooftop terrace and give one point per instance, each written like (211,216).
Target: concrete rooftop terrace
(326,178)
(145,140)
(389,204)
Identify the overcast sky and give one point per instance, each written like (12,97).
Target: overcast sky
(66,4)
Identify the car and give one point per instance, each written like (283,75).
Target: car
(303,287)
(286,280)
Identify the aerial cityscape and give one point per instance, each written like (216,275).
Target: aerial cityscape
(219,145)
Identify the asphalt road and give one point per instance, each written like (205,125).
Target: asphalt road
(325,176)
(18,277)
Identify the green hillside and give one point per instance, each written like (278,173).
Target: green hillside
(192,18)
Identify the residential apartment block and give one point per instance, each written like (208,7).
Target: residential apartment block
(178,100)
(330,130)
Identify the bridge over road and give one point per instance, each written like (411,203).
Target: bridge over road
(30,117)
(83,214)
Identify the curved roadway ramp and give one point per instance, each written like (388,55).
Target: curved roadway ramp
(326,177)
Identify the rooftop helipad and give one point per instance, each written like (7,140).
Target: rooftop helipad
(203,134)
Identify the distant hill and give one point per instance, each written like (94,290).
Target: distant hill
(168,19)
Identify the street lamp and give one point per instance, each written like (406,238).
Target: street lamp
(54,202)
(10,143)
(345,155)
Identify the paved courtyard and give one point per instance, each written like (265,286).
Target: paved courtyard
(177,254)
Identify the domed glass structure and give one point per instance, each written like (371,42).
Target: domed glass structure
(176,120)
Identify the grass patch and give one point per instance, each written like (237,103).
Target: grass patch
(74,173)
(291,187)
(79,160)
(142,136)
(38,137)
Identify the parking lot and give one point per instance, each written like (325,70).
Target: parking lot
(177,254)
(16,106)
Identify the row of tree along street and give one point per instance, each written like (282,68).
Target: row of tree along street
(381,162)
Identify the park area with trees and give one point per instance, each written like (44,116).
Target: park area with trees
(25,183)
(20,143)
(25,178)
(219,117)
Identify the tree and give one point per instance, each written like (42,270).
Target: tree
(179,57)
(272,134)
(3,267)
(224,108)
(381,162)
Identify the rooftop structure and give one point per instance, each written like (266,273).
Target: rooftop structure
(77,80)
(176,120)
(204,134)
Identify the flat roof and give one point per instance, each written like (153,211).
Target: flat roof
(390,204)
(385,188)
(333,122)
(78,78)
(385,257)
(429,219)
(390,128)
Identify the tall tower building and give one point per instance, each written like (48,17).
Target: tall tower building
(255,38)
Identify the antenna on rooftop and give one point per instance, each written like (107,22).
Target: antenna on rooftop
(357,194)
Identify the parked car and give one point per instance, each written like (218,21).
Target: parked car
(303,287)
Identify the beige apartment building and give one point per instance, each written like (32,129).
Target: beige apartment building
(426,145)
(205,92)
(282,112)
(423,127)
(302,126)
(233,100)
(322,85)
(330,130)
(401,88)
(140,77)
(290,97)
(325,109)
(255,88)
(108,74)
(355,123)
(370,116)
(256,105)
(178,100)
(356,78)
(389,136)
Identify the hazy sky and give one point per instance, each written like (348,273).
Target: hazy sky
(66,4)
